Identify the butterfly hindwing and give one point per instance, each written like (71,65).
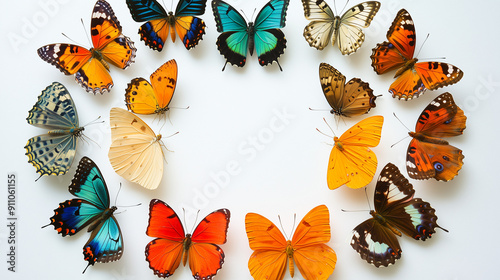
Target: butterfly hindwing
(165,253)
(346,29)
(54,152)
(352,99)
(396,212)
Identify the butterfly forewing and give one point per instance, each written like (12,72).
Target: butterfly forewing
(402,34)
(441,118)
(104,26)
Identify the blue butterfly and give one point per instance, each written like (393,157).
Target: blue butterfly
(90,208)
(160,23)
(263,34)
(54,152)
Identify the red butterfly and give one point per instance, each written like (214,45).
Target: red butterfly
(165,253)
(428,155)
(412,78)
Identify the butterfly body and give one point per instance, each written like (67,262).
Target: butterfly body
(350,99)
(344,29)
(396,212)
(306,250)
(200,249)
(90,208)
(428,154)
(91,66)
(412,77)
(237,36)
(160,23)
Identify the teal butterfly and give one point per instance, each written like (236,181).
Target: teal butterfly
(263,34)
(90,208)
(53,153)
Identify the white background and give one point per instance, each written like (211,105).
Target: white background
(284,172)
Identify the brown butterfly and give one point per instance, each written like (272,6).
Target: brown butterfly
(350,99)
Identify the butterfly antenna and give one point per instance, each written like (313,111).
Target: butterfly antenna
(347,2)
(67,37)
(331,129)
(84,28)
(320,110)
(422,46)
(195,220)
(282,229)
(400,121)
(399,141)
(367,199)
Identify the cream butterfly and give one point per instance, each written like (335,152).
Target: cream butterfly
(346,30)
(136,151)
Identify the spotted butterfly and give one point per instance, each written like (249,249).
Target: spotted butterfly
(91,67)
(53,153)
(159,24)
(345,30)
(90,208)
(428,155)
(238,36)
(412,77)
(396,212)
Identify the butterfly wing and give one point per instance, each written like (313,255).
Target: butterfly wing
(314,259)
(321,29)
(394,201)
(400,48)
(350,36)
(164,253)
(268,261)
(135,151)
(141,97)
(270,41)
(375,243)
(351,161)
(233,42)
(53,153)
(67,58)
(435,75)
(190,28)
(352,99)
(205,257)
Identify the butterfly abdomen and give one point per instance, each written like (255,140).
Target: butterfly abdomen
(428,139)
(186,244)
(77,131)
(251,39)
(289,253)
(383,221)
(106,214)
(98,55)
(409,64)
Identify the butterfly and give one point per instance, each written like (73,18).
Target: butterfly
(136,151)
(263,34)
(350,99)
(142,97)
(396,212)
(428,155)
(91,67)
(314,259)
(159,23)
(172,245)
(351,161)
(345,30)
(53,153)
(412,77)
(90,208)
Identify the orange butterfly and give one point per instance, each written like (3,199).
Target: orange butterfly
(413,77)
(91,67)
(165,253)
(351,162)
(428,155)
(143,97)
(315,260)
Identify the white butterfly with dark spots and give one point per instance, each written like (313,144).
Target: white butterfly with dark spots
(346,30)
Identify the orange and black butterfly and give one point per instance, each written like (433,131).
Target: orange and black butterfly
(412,77)
(172,245)
(91,67)
(430,156)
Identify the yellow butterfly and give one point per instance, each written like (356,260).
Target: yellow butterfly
(136,151)
(351,162)
(142,97)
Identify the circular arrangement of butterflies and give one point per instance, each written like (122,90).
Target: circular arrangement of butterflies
(138,153)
